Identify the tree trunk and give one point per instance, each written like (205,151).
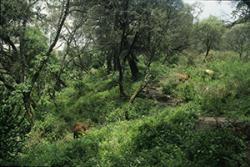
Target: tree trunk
(27,106)
(207,53)
(132,59)
(133,67)
(120,80)
(124,27)
(27,95)
(114,60)
(51,47)
(240,56)
(22,53)
(109,63)
(241,52)
(144,83)
(140,89)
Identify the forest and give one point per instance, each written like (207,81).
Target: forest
(123,83)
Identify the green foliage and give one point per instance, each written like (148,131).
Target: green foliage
(186,91)
(170,86)
(13,126)
(13,11)
(35,43)
(154,144)
(80,89)
(228,93)
(238,40)
(216,147)
(73,85)
(50,128)
(139,109)
(178,144)
(208,34)
(77,153)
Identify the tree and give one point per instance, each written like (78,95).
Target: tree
(208,34)
(16,62)
(243,8)
(238,39)
(242,11)
(177,38)
(123,30)
(24,55)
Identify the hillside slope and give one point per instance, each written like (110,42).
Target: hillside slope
(159,131)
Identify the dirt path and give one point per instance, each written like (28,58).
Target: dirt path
(157,94)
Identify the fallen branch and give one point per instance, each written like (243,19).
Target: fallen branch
(140,89)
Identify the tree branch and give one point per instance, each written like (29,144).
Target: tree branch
(47,55)
(7,40)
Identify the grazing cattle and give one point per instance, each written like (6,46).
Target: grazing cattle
(79,128)
(182,77)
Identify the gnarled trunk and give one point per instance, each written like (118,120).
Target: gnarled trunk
(133,67)
(120,80)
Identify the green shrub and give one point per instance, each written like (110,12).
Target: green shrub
(169,87)
(158,145)
(214,99)
(215,147)
(93,106)
(82,152)
(154,135)
(178,143)
(80,89)
(50,128)
(185,120)
(13,125)
(161,144)
(42,154)
(139,109)
(186,91)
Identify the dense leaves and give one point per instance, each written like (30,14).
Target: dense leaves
(131,70)
(238,39)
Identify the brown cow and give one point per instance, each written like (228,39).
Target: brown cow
(79,128)
(182,77)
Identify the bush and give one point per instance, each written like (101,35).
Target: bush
(92,106)
(155,134)
(161,144)
(186,91)
(139,109)
(50,128)
(13,125)
(158,145)
(81,152)
(169,87)
(178,143)
(214,99)
(80,89)
(216,147)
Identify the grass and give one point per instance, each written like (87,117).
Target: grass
(114,141)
